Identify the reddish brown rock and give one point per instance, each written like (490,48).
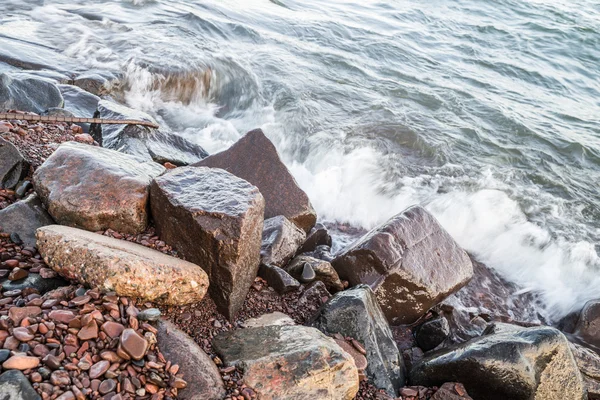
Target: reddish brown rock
(255,159)
(95,188)
(410,262)
(90,331)
(64,316)
(21,362)
(126,268)
(23,334)
(16,314)
(99,369)
(133,344)
(17,274)
(112,329)
(215,220)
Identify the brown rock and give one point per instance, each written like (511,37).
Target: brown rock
(17,314)
(107,386)
(255,159)
(202,375)
(95,188)
(23,334)
(135,345)
(60,378)
(17,274)
(66,396)
(89,331)
(112,329)
(84,138)
(64,316)
(410,262)
(21,362)
(99,369)
(116,265)
(215,220)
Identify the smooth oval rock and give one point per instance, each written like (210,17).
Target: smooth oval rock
(135,345)
(116,265)
(21,362)
(95,189)
(215,220)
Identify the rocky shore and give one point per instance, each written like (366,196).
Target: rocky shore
(134,265)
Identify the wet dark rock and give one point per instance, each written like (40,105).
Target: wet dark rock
(289,362)
(24,217)
(202,375)
(15,238)
(15,386)
(79,102)
(588,362)
(215,220)
(432,333)
(451,391)
(412,357)
(355,313)
(13,166)
(4,354)
(588,325)
(318,236)
(278,279)
(307,269)
(255,159)
(95,189)
(532,363)
(34,281)
(322,252)
(28,93)
(410,262)
(280,241)
(24,55)
(143,142)
(315,293)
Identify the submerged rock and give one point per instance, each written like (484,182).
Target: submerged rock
(24,217)
(126,268)
(280,241)
(79,102)
(28,93)
(322,271)
(410,262)
(143,142)
(215,220)
(532,363)
(290,362)
(94,188)
(13,166)
(199,371)
(355,313)
(255,159)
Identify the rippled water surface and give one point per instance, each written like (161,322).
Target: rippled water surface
(487,112)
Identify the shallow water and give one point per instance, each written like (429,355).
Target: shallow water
(487,112)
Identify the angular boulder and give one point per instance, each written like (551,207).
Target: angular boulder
(143,142)
(432,333)
(24,217)
(255,159)
(290,362)
(588,325)
(199,371)
(410,262)
(355,313)
(280,241)
(94,188)
(15,386)
(278,279)
(215,220)
(13,166)
(28,93)
(323,271)
(318,236)
(532,363)
(126,268)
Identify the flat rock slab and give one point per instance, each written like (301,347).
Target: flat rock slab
(410,262)
(525,364)
(355,313)
(13,166)
(95,189)
(290,362)
(215,220)
(24,217)
(255,159)
(199,371)
(116,265)
(28,93)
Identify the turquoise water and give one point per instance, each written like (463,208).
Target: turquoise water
(486,112)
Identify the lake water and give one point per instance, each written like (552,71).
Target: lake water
(486,112)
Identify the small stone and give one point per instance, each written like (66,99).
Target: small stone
(179,383)
(21,362)
(150,314)
(51,362)
(135,345)
(4,354)
(63,316)
(18,274)
(99,369)
(89,331)
(308,274)
(112,329)
(60,378)
(17,314)
(66,396)
(107,386)
(23,334)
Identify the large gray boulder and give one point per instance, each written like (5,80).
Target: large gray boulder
(199,371)
(127,268)
(255,159)
(355,313)
(289,362)
(24,217)
(280,241)
(410,262)
(15,386)
(215,220)
(520,364)
(94,188)
(143,142)
(13,166)
(28,93)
